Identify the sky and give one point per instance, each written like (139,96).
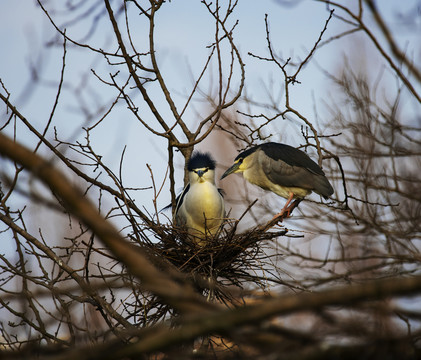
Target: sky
(29,47)
(183,29)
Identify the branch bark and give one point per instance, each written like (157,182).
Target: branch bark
(181,296)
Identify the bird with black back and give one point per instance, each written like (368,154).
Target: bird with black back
(284,170)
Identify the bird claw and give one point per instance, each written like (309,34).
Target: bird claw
(287,210)
(284,213)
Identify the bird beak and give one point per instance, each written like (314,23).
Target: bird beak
(200,173)
(231,170)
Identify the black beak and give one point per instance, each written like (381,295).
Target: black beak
(231,170)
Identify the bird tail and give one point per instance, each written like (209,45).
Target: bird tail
(322,187)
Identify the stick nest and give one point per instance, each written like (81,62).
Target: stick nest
(218,262)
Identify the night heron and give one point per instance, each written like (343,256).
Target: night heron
(200,207)
(284,170)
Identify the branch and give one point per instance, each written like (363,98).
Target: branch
(181,296)
(159,337)
(132,71)
(393,46)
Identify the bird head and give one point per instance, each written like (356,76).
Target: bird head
(242,162)
(201,167)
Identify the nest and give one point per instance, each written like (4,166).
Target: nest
(229,268)
(219,262)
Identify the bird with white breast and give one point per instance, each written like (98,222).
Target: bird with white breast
(200,207)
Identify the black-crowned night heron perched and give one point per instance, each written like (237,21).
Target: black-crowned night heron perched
(284,170)
(200,207)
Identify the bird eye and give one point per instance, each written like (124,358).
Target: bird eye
(206,169)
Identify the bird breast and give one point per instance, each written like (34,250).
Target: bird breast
(204,204)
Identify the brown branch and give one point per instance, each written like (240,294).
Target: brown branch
(392,43)
(132,71)
(181,296)
(99,300)
(372,37)
(78,172)
(230,322)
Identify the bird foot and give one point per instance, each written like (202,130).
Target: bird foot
(291,207)
(284,213)
(287,210)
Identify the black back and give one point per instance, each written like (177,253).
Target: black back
(287,154)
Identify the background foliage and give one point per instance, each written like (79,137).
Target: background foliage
(95,132)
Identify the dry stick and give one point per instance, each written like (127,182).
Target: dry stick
(87,288)
(68,163)
(278,219)
(129,62)
(159,337)
(180,296)
(377,45)
(391,41)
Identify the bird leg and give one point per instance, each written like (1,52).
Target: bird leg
(286,208)
(292,206)
(285,212)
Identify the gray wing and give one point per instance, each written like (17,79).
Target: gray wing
(283,174)
(297,175)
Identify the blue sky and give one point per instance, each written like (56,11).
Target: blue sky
(183,29)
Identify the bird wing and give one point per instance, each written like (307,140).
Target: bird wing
(290,167)
(284,174)
(180,198)
(291,156)
(177,199)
